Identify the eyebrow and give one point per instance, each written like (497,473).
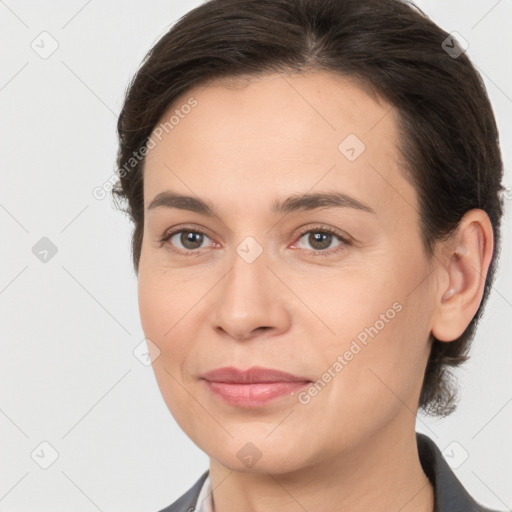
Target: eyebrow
(297,202)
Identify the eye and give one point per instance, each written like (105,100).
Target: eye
(321,239)
(185,241)
(188,241)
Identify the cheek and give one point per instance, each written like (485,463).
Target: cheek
(163,302)
(153,310)
(380,346)
(162,311)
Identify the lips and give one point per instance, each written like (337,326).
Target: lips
(254,387)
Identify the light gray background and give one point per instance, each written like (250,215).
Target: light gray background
(68,375)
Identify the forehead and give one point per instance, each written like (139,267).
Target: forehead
(276,135)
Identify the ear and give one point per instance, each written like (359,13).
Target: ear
(462,274)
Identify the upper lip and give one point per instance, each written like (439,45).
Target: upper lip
(252,375)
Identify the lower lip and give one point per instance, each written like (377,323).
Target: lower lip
(253,395)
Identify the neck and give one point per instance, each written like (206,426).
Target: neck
(383,473)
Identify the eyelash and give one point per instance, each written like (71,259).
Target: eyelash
(318,229)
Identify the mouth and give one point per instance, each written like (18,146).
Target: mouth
(254,387)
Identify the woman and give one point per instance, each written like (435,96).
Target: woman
(314,187)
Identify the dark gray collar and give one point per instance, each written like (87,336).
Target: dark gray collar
(450,495)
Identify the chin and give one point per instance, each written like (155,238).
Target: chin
(250,452)
(275,464)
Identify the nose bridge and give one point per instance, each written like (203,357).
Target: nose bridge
(246,299)
(246,285)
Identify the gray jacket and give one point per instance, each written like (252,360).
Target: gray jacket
(450,495)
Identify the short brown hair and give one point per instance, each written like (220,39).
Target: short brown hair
(449,138)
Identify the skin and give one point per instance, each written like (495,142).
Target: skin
(353,446)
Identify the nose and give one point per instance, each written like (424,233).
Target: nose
(250,301)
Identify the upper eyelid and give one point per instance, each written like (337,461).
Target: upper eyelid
(333,231)
(301,231)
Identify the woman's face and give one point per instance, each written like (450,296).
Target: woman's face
(335,291)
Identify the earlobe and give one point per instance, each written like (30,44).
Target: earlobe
(465,266)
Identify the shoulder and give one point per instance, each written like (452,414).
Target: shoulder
(187,502)
(450,494)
